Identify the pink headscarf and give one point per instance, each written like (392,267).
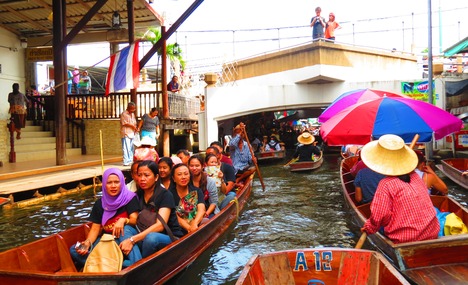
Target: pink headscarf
(112,203)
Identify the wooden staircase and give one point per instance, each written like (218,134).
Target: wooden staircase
(37,144)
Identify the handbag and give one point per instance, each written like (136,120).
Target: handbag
(105,257)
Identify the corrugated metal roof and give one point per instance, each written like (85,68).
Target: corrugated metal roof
(460,47)
(30,18)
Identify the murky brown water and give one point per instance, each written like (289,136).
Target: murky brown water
(297,210)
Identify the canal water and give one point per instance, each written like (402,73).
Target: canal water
(296,210)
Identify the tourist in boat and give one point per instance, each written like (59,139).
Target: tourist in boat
(184,155)
(149,126)
(207,184)
(145,150)
(154,200)
(433,182)
(366,183)
(115,213)
(128,127)
(242,159)
(17,109)
(223,158)
(165,167)
(189,200)
(401,205)
(229,178)
(273,145)
(306,148)
(133,185)
(358,165)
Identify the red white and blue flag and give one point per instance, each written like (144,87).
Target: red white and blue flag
(124,69)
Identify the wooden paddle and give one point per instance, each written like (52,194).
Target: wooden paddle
(361,240)
(291,161)
(363,237)
(253,155)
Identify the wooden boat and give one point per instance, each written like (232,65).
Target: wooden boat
(306,165)
(47,261)
(453,169)
(270,155)
(439,261)
(320,266)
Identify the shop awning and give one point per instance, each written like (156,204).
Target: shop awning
(453,88)
(460,47)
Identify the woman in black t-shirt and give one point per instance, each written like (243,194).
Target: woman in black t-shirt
(154,199)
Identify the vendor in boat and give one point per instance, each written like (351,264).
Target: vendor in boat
(401,205)
(189,200)
(433,182)
(115,213)
(154,200)
(242,159)
(306,149)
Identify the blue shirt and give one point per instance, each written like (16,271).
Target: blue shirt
(240,158)
(368,180)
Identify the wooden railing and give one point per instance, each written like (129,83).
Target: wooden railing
(41,110)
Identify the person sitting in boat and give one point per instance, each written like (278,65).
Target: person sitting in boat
(184,155)
(433,182)
(366,183)
(229,178)
(401,204)
(242,159)
(306,148)
(358,165)
(273,144)
(223,158)
(165,165)
(133,185)
(465,173)
(207,184)
(154,200)
(114,213)
(189,200)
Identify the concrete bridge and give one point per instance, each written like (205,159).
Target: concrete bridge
(307,77)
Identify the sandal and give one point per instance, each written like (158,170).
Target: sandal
(18,136)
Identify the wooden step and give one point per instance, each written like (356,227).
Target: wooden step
(44,154)
(37,146)
(34,141)
(38,134)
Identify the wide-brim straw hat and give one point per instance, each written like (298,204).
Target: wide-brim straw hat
(305,138)
(389,156)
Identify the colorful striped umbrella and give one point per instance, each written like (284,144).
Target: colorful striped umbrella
(405,117)
(353,97)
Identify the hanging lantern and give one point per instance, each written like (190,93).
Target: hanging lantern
(175,49)
(116,23)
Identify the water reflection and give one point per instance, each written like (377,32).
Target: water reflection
(297,210)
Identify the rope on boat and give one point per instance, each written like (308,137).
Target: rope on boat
(237,207)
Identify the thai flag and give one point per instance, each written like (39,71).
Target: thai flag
(124,69)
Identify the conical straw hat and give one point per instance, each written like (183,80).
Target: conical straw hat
(389,156)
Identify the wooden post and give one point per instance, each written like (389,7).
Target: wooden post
(11,128)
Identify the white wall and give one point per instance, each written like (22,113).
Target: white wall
(12,58)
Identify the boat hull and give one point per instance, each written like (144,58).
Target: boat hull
(47,260)
(265,157)
(453,169)
(305,165)
(419,261)
(320,266)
